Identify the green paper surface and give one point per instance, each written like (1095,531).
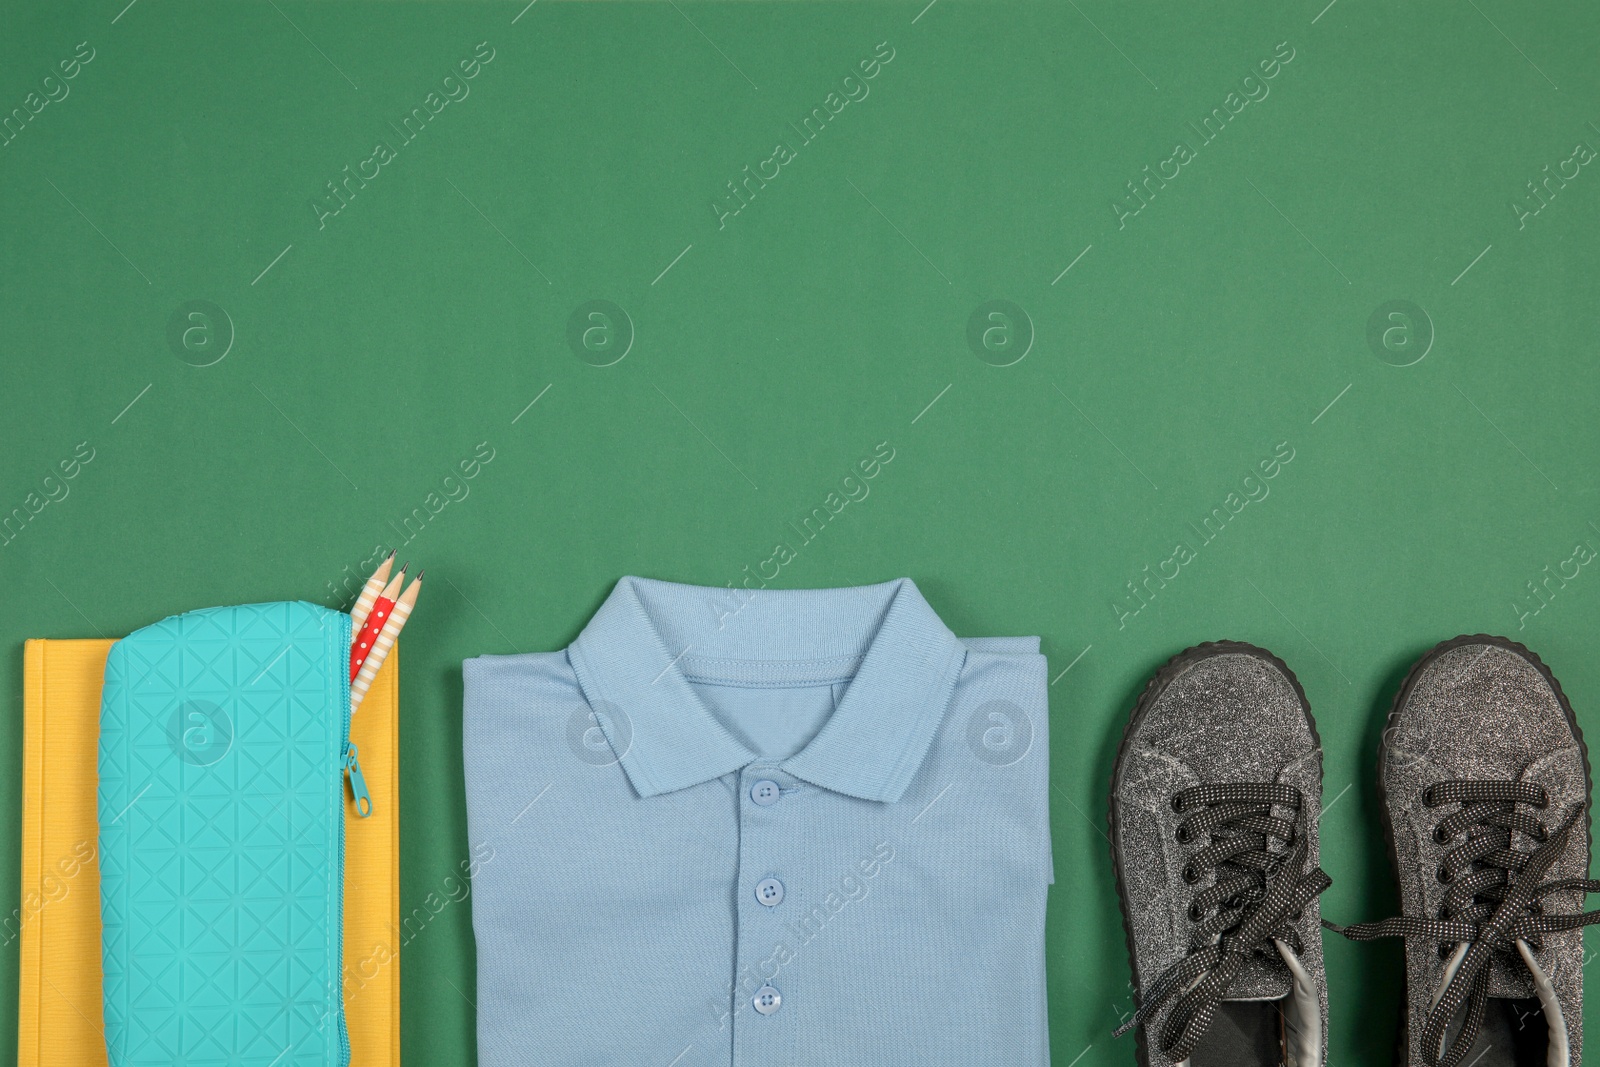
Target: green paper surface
(285,286)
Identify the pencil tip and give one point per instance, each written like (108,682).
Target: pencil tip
(418,578)
(390,556)
(404,565)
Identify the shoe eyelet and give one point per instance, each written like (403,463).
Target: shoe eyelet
(1443,874)
(1428,800)
(1177,803)
(1190,875)
(1440,837)
(1195,914)
(1182,834)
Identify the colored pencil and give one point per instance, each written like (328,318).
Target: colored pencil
(382,608)
(369,593)
(384,642)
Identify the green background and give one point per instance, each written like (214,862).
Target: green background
(365,358)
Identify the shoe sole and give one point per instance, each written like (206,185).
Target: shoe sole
(1153,689)
(1402,1051)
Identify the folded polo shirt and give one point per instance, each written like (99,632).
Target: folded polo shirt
(785,828)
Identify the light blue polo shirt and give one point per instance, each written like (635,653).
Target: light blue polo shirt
(779,828)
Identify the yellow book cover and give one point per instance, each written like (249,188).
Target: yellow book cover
(59,1017)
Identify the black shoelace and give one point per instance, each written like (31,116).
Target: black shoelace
(1258,893)
(1495,897)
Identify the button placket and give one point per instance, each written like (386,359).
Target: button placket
(767,813)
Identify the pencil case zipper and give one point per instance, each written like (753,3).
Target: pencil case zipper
(349,771)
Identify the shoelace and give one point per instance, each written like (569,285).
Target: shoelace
(1495,897)
(1257,894)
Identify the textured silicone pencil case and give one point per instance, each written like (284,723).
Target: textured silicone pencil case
(224,746)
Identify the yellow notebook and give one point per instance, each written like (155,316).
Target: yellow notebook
(59,1016)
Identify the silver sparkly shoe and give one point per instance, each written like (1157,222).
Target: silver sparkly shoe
(1214,806)
(1486,785)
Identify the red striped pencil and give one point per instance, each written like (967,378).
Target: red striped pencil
(381,608)
(369,593)
(384,642)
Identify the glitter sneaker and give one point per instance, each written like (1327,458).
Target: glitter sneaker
(1214,806)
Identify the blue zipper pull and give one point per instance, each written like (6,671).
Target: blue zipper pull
(358,784)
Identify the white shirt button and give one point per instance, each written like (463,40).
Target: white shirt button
(764,792)
(767,1000)
(769,891)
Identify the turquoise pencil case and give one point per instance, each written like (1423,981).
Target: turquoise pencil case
(224,752)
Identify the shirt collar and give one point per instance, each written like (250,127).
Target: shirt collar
(629,662)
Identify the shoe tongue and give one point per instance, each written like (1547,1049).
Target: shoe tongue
(1508,978)
(1260,979)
